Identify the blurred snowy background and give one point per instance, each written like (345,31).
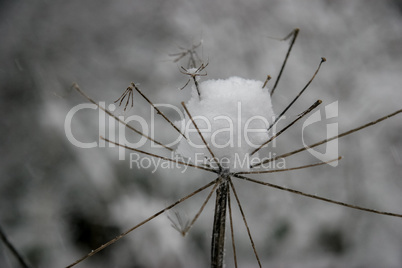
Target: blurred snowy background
(57,201)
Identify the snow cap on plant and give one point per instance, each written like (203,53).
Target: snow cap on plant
(233,116)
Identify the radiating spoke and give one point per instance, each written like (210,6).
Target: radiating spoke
(93,252)
(76,87)
(318,197)
(327,140)
(158,156)
(312,107)
(298,95)
(295,32)
(185,231)
(245,222)
(231,229)
(157,110)
(201,136)
(289,169)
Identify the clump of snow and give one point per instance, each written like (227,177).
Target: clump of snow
(233,116)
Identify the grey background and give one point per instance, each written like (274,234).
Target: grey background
(58,201)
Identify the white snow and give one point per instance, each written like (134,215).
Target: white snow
(233,116)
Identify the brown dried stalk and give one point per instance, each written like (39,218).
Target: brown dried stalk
(202,137)
(117,238)
(129,93)
(298,95)
(289,169)
(224,182)
(295,32)
(327,140)
(158,156)
(312,107)
(317,197)
(76,87)
(157,110)
(245,223)
(193,75)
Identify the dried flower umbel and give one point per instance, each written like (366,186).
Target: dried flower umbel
(226,173)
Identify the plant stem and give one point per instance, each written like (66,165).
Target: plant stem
(218,232)
(13,250)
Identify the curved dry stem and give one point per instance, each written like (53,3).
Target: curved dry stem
(318,197)
(202,137)
(295,32)
(289,169)
(128,93)
(185,231)
(298,95)
(76,87)
(231,229)
(245,222)
(93,252)
(158,156)
(312,107)
(327,140)
(157,110)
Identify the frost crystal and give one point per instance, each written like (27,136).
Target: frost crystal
(233,116)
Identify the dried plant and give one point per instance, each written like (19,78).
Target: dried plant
(194,74)
(192,54)
(223,184)
(129,94)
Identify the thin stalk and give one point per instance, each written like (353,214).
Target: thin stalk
(289,169)
(298,95)
(185,231)
(13,250)
(312,107)
(76,87)
(201,136)
(327,140)
(266,81)
(218,229)
(158,156)
(157,110)
(245,223)
(295,32)
(318,197)
(232,230)
(130,96)
(93,252)
(193,75)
